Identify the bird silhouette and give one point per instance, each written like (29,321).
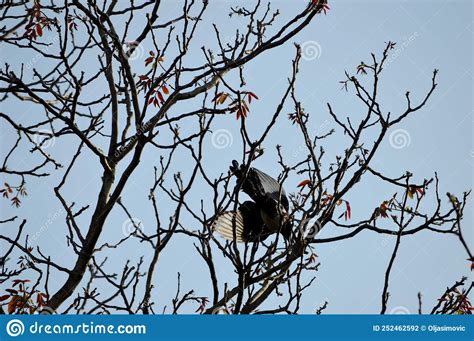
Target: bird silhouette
(255,220)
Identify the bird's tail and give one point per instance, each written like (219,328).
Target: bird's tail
(227,223)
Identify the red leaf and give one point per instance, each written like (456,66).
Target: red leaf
(39,30)
(325,9)
(244,112)
(4,297)
(160,96)
(165,90)
(148,61)
(250,95)
(348,210)
(39,300)
(421,192)
(304,183)
(16,281)
(12,305)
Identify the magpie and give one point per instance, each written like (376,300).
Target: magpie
(255,220)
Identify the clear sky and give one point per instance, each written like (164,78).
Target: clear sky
(429,34)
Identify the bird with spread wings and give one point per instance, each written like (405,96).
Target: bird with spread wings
(255,220)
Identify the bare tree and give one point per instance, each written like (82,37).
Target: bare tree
(109,113)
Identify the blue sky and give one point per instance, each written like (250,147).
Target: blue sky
(429,34)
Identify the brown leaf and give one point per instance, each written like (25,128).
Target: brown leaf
(304,183)
(148,61)
(15,201)
(12,304)
(39,30)
(222,98)
(160,97)
(250,95)
(217,97)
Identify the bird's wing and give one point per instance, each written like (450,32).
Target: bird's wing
(259,185)
(246,221)
(227,222)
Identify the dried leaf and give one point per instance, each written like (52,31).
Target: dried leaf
(222,98)
(39,30)
(12,304)
(160,97)
(348,210)
(304,183)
